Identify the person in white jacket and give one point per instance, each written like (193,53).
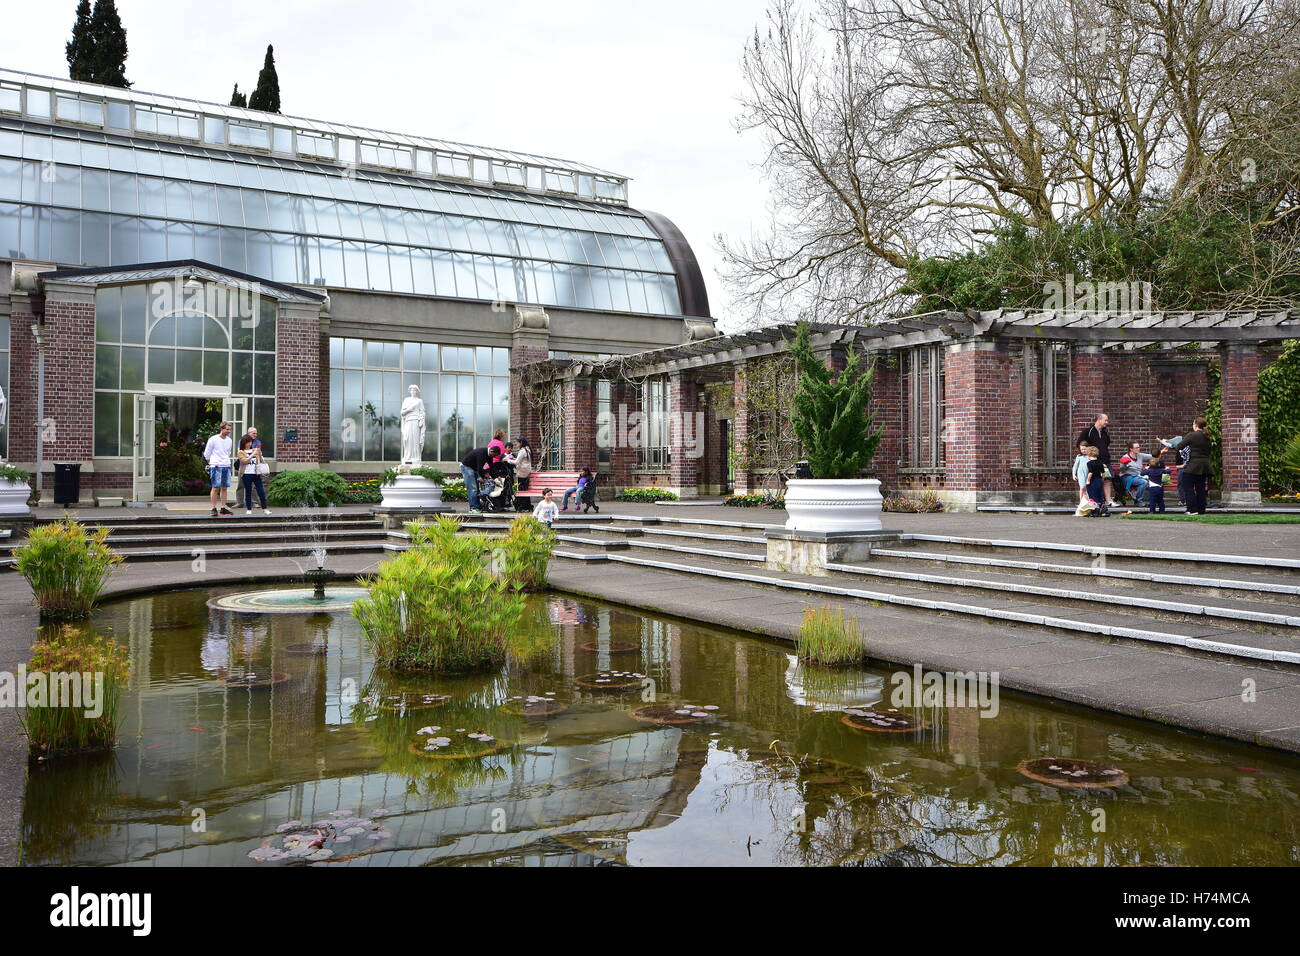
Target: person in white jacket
(547,510)
(218,453)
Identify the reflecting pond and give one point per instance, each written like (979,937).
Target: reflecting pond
(721,750)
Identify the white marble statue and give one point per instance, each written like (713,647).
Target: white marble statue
(413,427)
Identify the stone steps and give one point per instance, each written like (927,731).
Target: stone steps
(1198,633)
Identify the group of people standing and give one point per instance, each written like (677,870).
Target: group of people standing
(510,463)
(1141,475)
(222,460)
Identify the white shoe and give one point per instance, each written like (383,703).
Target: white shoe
(266,511)
(248,512)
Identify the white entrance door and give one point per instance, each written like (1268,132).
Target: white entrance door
(235,411)
(142,450)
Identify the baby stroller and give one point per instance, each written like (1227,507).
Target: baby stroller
(496,491)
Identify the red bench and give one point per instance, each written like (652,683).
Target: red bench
(558,481)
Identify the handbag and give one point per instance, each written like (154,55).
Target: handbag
(263,468)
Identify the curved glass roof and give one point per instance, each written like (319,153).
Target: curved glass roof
(86,198)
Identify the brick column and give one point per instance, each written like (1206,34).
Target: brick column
(1088,390)
(530,342)
(979,406)
(744,479)
(298,387)
(579,424)
(69,379)
(1239,434)
(622,454)
(685,435)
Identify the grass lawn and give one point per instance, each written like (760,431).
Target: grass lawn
(1219,519)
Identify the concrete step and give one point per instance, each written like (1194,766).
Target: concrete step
(1205,637)
(237,550)
(125,541)
(1138,558)
(1105,594)
(202,519)
(1259,584)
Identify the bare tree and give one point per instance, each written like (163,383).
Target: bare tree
(897,129)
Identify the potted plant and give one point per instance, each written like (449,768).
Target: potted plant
(831,416)
(410,486)
(14,490)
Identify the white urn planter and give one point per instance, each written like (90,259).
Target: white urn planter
(411,491)
(833,505)
(13,497)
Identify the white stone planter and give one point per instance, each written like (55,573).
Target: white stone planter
(833,504)
(411,491)
(13,497)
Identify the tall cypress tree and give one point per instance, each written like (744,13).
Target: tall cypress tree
(237,98)
(109,45)
(267,95)
(81,48)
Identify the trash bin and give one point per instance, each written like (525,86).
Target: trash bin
(803,469)
(67,482)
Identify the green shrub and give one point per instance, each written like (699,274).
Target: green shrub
(831,412)
(1290,460)
(827,637)
(56,726)
(314,488)
(524,554)
(756,499)
(66,568)
(647,495)
(436,607)
(10,473)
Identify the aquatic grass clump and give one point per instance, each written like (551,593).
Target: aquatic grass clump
(523,556)
(73,691)
(436,607)
(827,637)
(66,567)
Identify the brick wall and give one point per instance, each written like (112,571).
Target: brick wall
(579,424)
(525,420)
(298,389)
(684,464)
(978,403)
(69,379)
(1240,424)
(22,384)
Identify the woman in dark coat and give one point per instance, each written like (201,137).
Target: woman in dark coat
(1197,469)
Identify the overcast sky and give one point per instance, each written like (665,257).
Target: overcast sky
(647,90)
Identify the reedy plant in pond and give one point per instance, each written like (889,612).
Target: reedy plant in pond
(68,656)
(436,607)
(524,554)
(827,637)
(66,567)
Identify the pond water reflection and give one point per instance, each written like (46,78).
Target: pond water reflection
(340,751)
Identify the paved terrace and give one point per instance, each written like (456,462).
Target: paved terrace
(1161,684)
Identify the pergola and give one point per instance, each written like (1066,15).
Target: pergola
(969,351)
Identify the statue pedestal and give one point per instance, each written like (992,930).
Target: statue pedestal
(13,498)
(412,492)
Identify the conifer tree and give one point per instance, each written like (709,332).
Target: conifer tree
(267,95)
(80,49)
(831,414)
(237,98)
(109,38)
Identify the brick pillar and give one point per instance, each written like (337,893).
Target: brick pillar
(1239,434)
(685,435)
(579,424)
(530,342)
(323,423)
(887,410)
(744,479)
(623,454)
(298,387)
(69,379)
(1088,390)
(979,406)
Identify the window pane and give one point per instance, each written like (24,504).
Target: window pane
(162,366)
(108,314)
(216,368)
(264,374)
(189,365)
(241,379)
(106,423)
(133,369)
(107,366)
